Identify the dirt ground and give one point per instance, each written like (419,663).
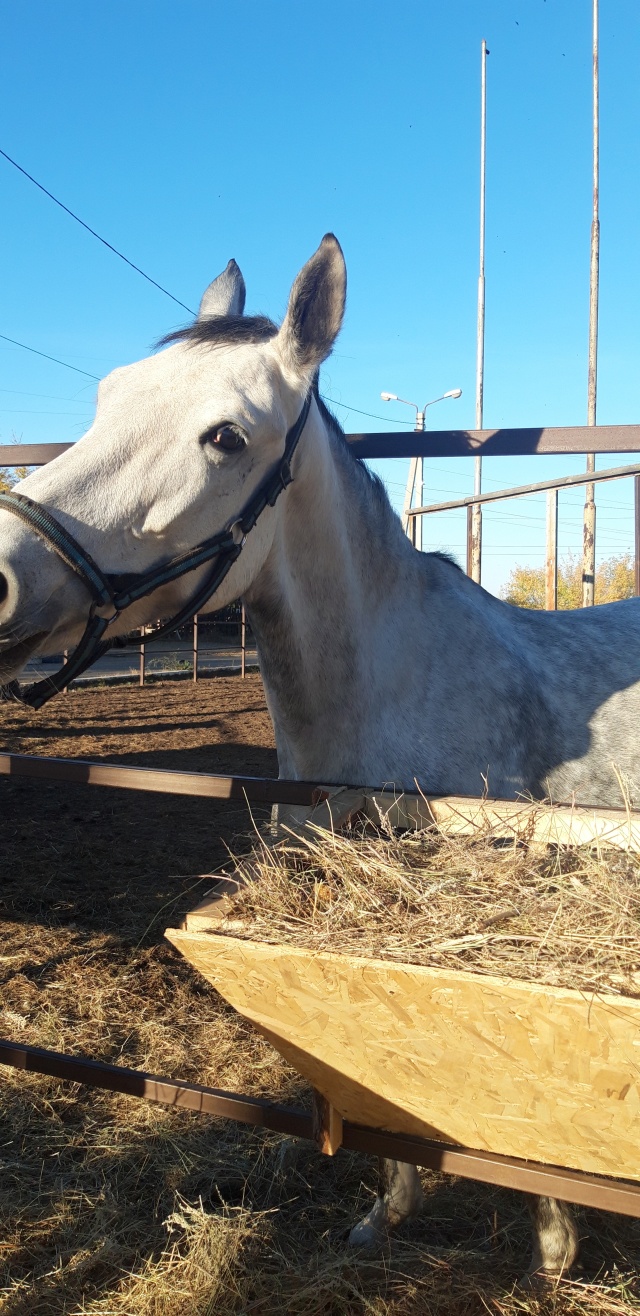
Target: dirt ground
(113,1207)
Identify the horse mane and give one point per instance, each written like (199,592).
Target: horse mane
(223,331)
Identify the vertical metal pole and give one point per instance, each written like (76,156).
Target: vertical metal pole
(474,549)
(243,642)
(636,488)
(551,572)
(408,522)
(195,647)
(65,656)
(417,520)
(589,526)
(142,658)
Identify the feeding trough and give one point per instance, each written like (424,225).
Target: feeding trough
(521,1069)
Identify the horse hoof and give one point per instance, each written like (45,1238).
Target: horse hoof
(371,1233)
(541,1281)
(288,1155)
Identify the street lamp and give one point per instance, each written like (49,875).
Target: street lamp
(420,425)
(413,524)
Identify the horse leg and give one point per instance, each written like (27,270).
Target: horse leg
(399,1198)
(555,1238)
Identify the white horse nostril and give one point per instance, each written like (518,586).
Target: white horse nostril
(4,587)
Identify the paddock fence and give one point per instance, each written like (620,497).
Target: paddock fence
(192,656)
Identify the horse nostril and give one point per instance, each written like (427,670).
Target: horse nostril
(4,587)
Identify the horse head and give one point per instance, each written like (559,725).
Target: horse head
(182,442)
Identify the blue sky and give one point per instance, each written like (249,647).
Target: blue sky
(190,132)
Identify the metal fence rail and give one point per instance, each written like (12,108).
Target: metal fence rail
(584,1189)
(586,439)
(552,488)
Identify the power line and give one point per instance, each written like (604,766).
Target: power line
(94,234)
(335,403)
(49,358)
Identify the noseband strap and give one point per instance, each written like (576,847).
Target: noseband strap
(116,593)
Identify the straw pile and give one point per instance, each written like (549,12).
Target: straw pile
(567,918)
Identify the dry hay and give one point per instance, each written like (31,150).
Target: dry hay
(564,917)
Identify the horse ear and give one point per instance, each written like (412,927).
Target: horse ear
(316,307)
(225,296)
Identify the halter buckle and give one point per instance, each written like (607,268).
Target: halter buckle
(95,612)
(238,534)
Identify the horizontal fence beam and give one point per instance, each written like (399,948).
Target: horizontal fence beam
(31,454)
(464,815)
(584,1189)
(255,790)
(498,443)
(521,490)
(432,443)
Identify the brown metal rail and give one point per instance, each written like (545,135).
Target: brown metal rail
(255,790)
(434,443)
(522,490)
(621,1195)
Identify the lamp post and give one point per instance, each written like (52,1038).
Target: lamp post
(413,524)
(420,425)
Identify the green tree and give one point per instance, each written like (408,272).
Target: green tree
(615,579)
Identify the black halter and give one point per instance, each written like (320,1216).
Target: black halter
(115,593)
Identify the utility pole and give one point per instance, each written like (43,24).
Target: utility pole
(589,524)
(474,540)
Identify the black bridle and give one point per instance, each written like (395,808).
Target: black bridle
(117,592)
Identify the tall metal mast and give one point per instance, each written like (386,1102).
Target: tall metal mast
(474,544)
(589,526)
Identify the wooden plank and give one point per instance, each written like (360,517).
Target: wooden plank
(516,1068)
(527,821)
(326,1123)
(216,906)
(338,807)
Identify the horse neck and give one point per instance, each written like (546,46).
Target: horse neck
(338,561)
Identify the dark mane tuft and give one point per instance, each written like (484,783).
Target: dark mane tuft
(223,331)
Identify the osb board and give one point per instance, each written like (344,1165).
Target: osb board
(510,1067)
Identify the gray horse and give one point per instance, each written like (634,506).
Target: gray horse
(381,664)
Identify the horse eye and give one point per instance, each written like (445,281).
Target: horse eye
(226,437)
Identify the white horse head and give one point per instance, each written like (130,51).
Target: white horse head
(179,442)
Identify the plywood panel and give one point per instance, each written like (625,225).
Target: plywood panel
(515,1068)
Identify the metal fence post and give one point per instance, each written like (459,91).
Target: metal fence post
(551,571)
(243,642)
(195,647)
(142,657)
(636,490)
